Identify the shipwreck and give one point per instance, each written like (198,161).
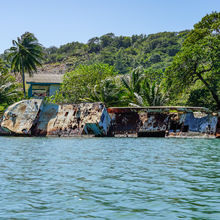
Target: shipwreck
(34,117)
(164,121)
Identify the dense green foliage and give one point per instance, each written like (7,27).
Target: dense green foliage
(99,82)
(154,51)
(25,55)
(9,89)
(138,56)
(196,67)
(169,68)
(79,84)
(108,92)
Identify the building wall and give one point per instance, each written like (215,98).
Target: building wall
(53,89)
(43,89)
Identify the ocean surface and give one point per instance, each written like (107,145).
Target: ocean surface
(109,178)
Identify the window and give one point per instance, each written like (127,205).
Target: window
(40,91)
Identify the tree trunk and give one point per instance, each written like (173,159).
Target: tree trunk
(23,78)
(214,94)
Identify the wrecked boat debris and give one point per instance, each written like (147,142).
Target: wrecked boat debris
(20,117)
(33,117)
(164,121)
(36,118)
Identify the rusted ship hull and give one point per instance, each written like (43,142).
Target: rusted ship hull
(33,117)
(36,118)
(164,122)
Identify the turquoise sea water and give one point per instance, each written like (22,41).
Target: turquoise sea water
(109,178)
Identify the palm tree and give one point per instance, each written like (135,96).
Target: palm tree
(8,87)
(25,55)
(132,84)
(151,94)
(140,91)
(107,92)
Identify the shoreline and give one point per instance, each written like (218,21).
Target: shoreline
(36,118)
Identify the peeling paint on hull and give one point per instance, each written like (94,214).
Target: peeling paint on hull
(29,118)
(33,117)
(19,117)
(164,122)
(72,120)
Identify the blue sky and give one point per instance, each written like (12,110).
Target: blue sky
(56,22)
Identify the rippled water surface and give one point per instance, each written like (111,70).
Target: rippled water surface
(109,178)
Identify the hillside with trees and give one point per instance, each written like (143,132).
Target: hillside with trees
(169,68)
(155,51)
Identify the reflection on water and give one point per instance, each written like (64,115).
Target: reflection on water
(109,178)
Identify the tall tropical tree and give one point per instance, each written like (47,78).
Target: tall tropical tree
(198,59)
(25,55)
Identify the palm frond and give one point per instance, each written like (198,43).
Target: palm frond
(26,54)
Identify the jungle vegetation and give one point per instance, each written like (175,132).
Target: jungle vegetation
(169,68)
(9,88)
